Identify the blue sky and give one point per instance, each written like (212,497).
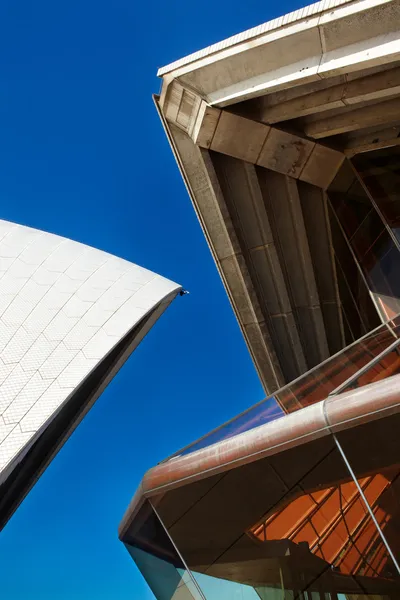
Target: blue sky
(83,155)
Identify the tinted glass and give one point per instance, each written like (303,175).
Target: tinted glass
(359,312)
(157,559)
(312,387)
(365,227)
(380,171)
(373,451)
(282,526)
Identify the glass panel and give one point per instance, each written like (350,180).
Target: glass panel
(157,559)
(373,451)
(360,314)
(281,526)
(387,366)
(380,171)
(312,387)
(366,232)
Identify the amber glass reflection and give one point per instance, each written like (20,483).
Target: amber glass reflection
(157,559)
(319,383)
(373,450)
(315,385)
(282,526)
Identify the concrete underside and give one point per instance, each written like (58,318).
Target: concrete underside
(260,126)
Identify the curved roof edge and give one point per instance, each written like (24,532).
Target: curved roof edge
(343,411)
(70,316)
(317,8)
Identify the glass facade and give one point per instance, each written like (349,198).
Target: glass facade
(318,521)
(321,520)
(365,201)
(317,384)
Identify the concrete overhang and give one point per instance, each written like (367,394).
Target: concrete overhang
(319,41)
(260,124)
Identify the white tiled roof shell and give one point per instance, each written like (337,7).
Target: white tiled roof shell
(63,307)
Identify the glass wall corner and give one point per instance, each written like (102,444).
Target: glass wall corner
(157,559)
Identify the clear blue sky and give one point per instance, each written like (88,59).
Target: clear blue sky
(83,155)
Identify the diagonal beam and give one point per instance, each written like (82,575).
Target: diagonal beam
(212,211)
(227,133)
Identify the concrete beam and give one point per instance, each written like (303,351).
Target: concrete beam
(283,206)
(359,118)
(372,87)
(241,190)
(212,211)
(373,140)
(256,143)
(314,205)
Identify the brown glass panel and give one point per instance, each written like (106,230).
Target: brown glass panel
(360,314)
(373,451)
(319,383)
(380,172)
(315,385)
(367,234)
(365,225)
(281,525)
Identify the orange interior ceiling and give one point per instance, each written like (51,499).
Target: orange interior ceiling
(336,525)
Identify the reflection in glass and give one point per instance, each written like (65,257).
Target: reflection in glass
(358,310)
(315,385)
(374,449)
(365,229)
(380,172)
(285,525)
(157,559)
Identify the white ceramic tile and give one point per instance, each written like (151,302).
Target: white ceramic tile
(39,318)
(5,370)
(38,353)
(5,429)
(16,241)
(67,285)
(79,335)
(59,326)
(12,445)
(19,310)
(100,345)
(40,249)
(63,307)
(47,404)
(33,291)
(75,307)
(44,277)
(11,386)
(97,315)
(76,371)
(121,321)
(27,397)
(57,361)
(18,346)
(63,256)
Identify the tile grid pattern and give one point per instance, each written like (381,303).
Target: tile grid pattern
(63,307)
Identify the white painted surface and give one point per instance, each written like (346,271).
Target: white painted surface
(63,307)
